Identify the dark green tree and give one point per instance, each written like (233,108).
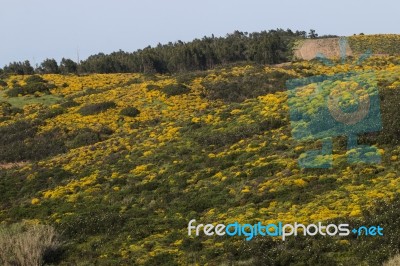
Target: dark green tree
(19,68)
(312,34)
(49,66)
(266,47)
(67,66)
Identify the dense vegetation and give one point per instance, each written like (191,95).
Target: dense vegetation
(266,47)
(383,44)
(34,85)
(119,163)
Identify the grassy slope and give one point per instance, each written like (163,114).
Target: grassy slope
(25,100)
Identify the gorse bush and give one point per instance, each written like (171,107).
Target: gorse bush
(171,89)
(87,136)
(32,88)
(3,83)
(6,109)
(48,113)
(34,84)
(248,85)
(84,138)
(130,111)
(188,77)
(153,87)
(96,222)
(28,245)
(95,108)
(19,130)
(21,141)
(15,91)
(390,133)
(390,100)
(175,89)
(35,79)
(234,133)
(69,103)
(134,81)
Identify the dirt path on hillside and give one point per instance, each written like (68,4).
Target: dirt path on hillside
(6,166)
(309,49)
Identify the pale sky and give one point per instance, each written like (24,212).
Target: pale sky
(40,29)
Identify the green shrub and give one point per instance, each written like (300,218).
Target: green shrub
(175,89)
(45,144)
(99,221)
(15,91)
(3,83)
(19,141)
(6,109)
(34,85)
(390,134)
(95,108)
(170,90)
(151,87)
(87,136)
(35,79)
(249,85)
(133,81)
(84,138)
(130,111)
(51,86)
(17,131)
(232,134)
(51,113)
(188,77)
(69,103)
(31,88)
(162,259)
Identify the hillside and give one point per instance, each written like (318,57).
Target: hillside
(120,163)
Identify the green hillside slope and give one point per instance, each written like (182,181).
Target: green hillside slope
(120,163)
